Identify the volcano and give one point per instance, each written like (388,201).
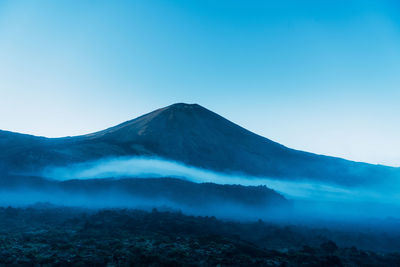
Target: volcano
(190,134)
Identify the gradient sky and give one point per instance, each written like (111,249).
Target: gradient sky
(320,76)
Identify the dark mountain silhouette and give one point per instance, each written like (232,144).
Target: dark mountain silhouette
(191,134)
(149,192)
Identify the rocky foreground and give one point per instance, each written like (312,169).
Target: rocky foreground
(49,236)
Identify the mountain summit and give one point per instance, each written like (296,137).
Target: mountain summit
(188,133)
(191,134)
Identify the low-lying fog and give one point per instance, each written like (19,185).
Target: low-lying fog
(141,167)
(311,198)
(222,209)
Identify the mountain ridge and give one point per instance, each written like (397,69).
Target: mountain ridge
(191,134)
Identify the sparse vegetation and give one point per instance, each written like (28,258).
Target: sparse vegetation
(49,236)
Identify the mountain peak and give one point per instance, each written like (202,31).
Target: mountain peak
(187,133)
(184,106)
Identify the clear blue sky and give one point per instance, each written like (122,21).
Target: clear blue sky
(321,76)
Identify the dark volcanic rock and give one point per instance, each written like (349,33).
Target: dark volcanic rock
(39,236)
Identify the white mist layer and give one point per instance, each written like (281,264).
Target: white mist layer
(142,167)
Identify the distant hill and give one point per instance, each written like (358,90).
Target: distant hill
(191,134)
(202,198)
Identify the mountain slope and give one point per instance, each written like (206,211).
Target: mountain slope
(190,134)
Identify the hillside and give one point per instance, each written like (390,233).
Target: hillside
(193,198)
(191,134)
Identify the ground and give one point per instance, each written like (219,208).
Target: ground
(47,236)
